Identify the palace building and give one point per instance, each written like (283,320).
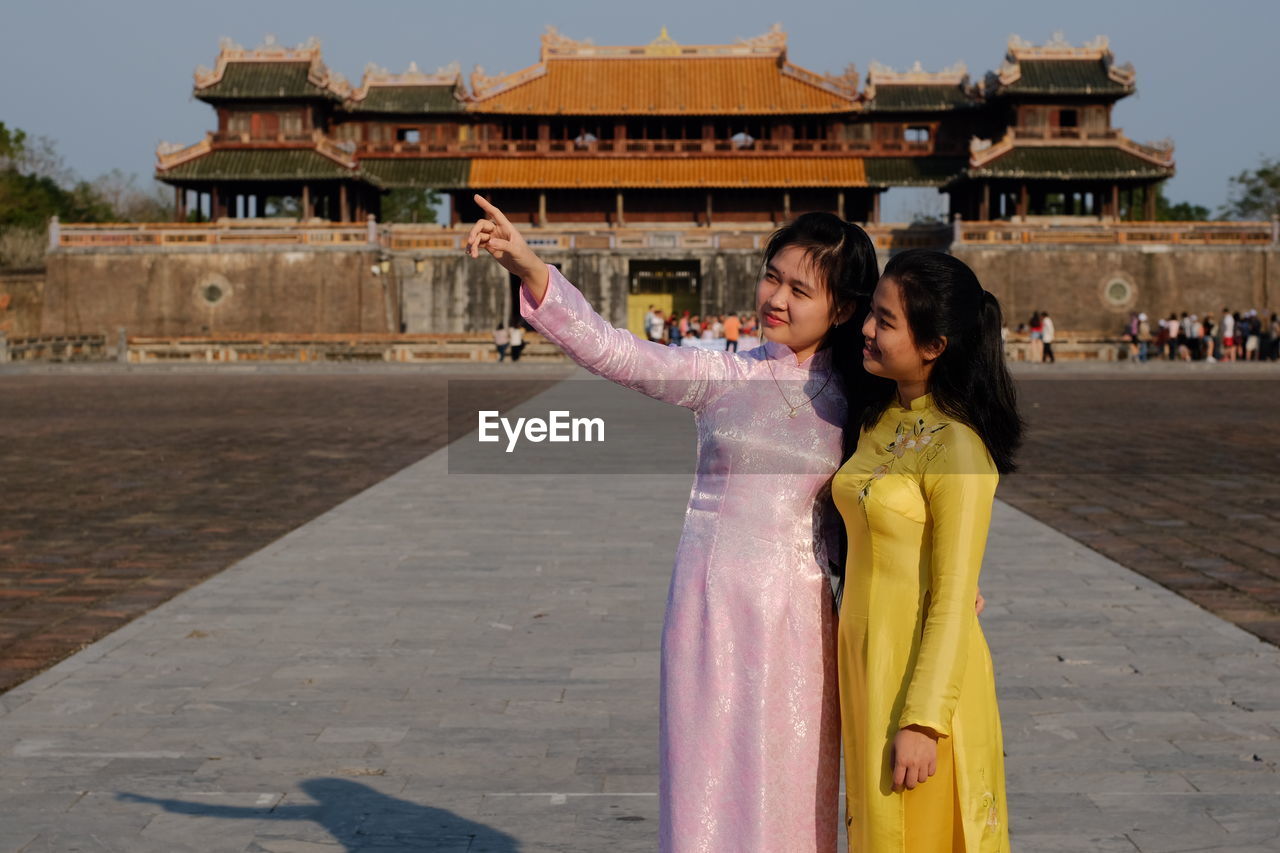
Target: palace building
(667,133)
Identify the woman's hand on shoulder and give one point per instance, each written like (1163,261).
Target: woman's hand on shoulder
(496,235)
(915,757)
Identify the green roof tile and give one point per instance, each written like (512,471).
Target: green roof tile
(1072,163)
(902,97)
(913,171)
(407,99)
(248,165)
(1064,77)
(257,81)
(434,173)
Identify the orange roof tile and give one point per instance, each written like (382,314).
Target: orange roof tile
(662,86)
(610,172)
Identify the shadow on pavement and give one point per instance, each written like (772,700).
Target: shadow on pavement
(360,818)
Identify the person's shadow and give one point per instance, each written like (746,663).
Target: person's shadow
(359,818)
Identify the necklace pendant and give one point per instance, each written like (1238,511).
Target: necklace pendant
(791,414)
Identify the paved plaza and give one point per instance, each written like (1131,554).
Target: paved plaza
(456,662)
(122,488)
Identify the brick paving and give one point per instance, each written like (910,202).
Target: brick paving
(458,662)
(1175,478)
(121,488)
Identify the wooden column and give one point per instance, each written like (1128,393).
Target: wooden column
(542,208)
(215,206)
(875,207)
(1149,202)
(308,211)
(342,204)
(621,219)
(1114,212)
(840,204)
(786,205)
(708,208)
(1024,200)
(620,136)
(984,212)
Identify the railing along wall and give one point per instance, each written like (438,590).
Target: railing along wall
(431,238)
(1120,233)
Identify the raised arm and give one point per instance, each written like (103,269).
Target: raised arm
(558,310)
(960,485)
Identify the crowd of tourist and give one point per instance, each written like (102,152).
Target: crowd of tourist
(1229,336)
(670,328)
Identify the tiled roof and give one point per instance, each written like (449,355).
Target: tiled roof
(913,171)
(909,98)
(1064,77)
(1070,162)
(662,86)
(249,165)
(437,174)
(264,81)
(415,100)
(608,172)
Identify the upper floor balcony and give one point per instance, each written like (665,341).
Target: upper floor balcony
(578,147)
(1069,134)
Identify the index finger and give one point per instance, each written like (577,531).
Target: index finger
(488,208)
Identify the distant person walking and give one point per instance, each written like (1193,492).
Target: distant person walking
(657,326)
(1046,335)
(1227,336)
(517,342)
(1036,329)
(1144,337)
(732,328)
(501,340)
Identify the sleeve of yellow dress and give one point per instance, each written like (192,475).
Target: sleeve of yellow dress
(959,485)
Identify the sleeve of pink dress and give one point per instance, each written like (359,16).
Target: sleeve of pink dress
(685,376)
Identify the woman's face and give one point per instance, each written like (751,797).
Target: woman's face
(890,350)
(792,302)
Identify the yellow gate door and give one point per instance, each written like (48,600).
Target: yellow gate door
(638,307)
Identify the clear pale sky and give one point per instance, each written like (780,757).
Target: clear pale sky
(108,80)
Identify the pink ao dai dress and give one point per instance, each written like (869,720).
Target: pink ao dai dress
(749,732)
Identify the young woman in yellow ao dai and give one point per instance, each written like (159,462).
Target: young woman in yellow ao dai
(924,769)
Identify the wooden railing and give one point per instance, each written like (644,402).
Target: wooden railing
(652,146)
(1068,133)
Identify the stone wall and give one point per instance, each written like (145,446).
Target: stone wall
(199,293)
(172,293)
(1092,290)
(21,303)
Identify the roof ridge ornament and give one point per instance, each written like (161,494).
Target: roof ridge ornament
(376,75)
(663,45)
(271,51)
(1097,49)
(953,75)
(556,45)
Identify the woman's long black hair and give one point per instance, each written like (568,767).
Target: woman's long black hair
(844,257)
(970,380)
